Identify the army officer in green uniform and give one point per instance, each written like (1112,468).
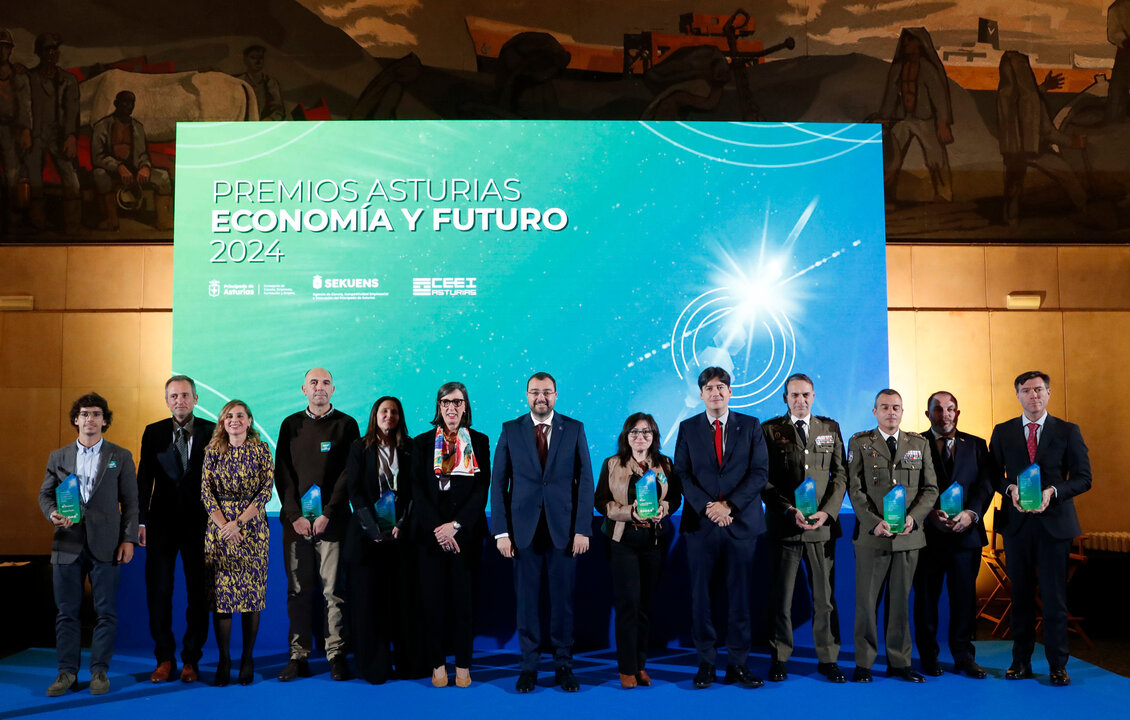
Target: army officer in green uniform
(802,445)
(878,460)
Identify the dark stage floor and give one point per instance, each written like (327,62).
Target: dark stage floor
(1094,692)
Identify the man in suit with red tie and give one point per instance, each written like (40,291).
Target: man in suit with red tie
(1038,542)
(541,515)
(723,462)
(953,544)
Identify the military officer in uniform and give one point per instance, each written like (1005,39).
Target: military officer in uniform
(802,445)
(878,461)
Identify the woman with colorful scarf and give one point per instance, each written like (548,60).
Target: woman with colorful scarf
(449,496)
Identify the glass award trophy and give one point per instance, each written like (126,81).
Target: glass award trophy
(68,501)
(385,510)
(647,495)
(953,500)
(806,498)
(894,509)
(312,503)
(1030,489)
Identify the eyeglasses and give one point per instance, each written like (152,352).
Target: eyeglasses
(452,403)
(714,388)
(90,413)
(541,393)
(640,433)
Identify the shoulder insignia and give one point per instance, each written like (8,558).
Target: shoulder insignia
(914,435)
(861,433)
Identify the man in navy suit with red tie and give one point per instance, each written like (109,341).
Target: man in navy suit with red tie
(541,516)
(1038,542)
(723,462)
(953,544)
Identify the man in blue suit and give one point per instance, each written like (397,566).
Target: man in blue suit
(953,544)
(1038,542)
(721,457)
(541,515)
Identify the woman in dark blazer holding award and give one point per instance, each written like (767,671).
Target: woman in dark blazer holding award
(636,490)
(384,593)
(450,480)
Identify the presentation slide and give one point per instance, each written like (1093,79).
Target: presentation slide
(621,257)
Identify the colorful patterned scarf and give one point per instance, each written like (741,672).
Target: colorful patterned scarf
(454,457)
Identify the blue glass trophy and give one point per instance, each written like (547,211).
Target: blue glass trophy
(953,500)
(68,501)
(312,503)
(385,510)
(647,495)
(1030,488)
(806,498)
(894,509)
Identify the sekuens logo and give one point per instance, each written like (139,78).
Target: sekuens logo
(317,282)
(214,288)
(355,283)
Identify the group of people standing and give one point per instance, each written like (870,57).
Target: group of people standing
(405,518)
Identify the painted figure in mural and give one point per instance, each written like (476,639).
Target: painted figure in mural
(120,155)
(267,89)
(1118,33)
(15,118)
(54,126)
(1026,135)
(916,106)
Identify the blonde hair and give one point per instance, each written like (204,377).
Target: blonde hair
(219,441)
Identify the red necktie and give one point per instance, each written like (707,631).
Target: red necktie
(718,441)
(1032,427)
(539,439)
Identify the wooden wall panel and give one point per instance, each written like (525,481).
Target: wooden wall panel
(948,277)
(1022,341)
(1010,269)
(953,355)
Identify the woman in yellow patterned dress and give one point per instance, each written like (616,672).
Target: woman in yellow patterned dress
(238,476)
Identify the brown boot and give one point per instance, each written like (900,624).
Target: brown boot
(110,210)
(164,212)
(72,216)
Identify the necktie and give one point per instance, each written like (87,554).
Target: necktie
(800,432)
(1032,428)
(945,449)
(718,441)
(543,445)
(181,444)
(892,445)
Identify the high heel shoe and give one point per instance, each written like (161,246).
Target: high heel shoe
(462,677)
(439,676)
(223,673)
(246,671)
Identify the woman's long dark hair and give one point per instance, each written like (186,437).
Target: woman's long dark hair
(375,436)
(624,450)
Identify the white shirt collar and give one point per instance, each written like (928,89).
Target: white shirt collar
(548,421)
(96,449)
(725,418)
(885,436)
(807,420)
(1043,418)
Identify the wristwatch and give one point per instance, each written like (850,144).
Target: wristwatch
(455,524)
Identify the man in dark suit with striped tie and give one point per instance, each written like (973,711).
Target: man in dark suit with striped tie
(953,544)
(1038,542)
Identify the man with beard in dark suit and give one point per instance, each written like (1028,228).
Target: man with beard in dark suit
(172,520)
(1038,542)
(953,544)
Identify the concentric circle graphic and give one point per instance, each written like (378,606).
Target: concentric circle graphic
(758,349)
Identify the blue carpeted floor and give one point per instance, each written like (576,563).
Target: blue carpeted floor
(1094,692)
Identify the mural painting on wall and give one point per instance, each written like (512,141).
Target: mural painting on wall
(1000,120)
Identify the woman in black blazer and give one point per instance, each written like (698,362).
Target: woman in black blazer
(384,602)
(450,480)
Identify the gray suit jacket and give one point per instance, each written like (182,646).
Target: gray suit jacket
(109,517)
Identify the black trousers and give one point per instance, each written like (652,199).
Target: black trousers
(164,540)
(636,562)
(1027,552)
(445,577)
(706,547)
(957,568)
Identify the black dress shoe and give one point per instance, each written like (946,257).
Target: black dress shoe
(704,678)
(906,673)
(1059,677)
(831,671)
(1018,671)
(223,673)
(294,669)
(861,675)
(339,668)
(932,668)
(741,675)
(971,668)
(566,679)
(778,672)
(527,680)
